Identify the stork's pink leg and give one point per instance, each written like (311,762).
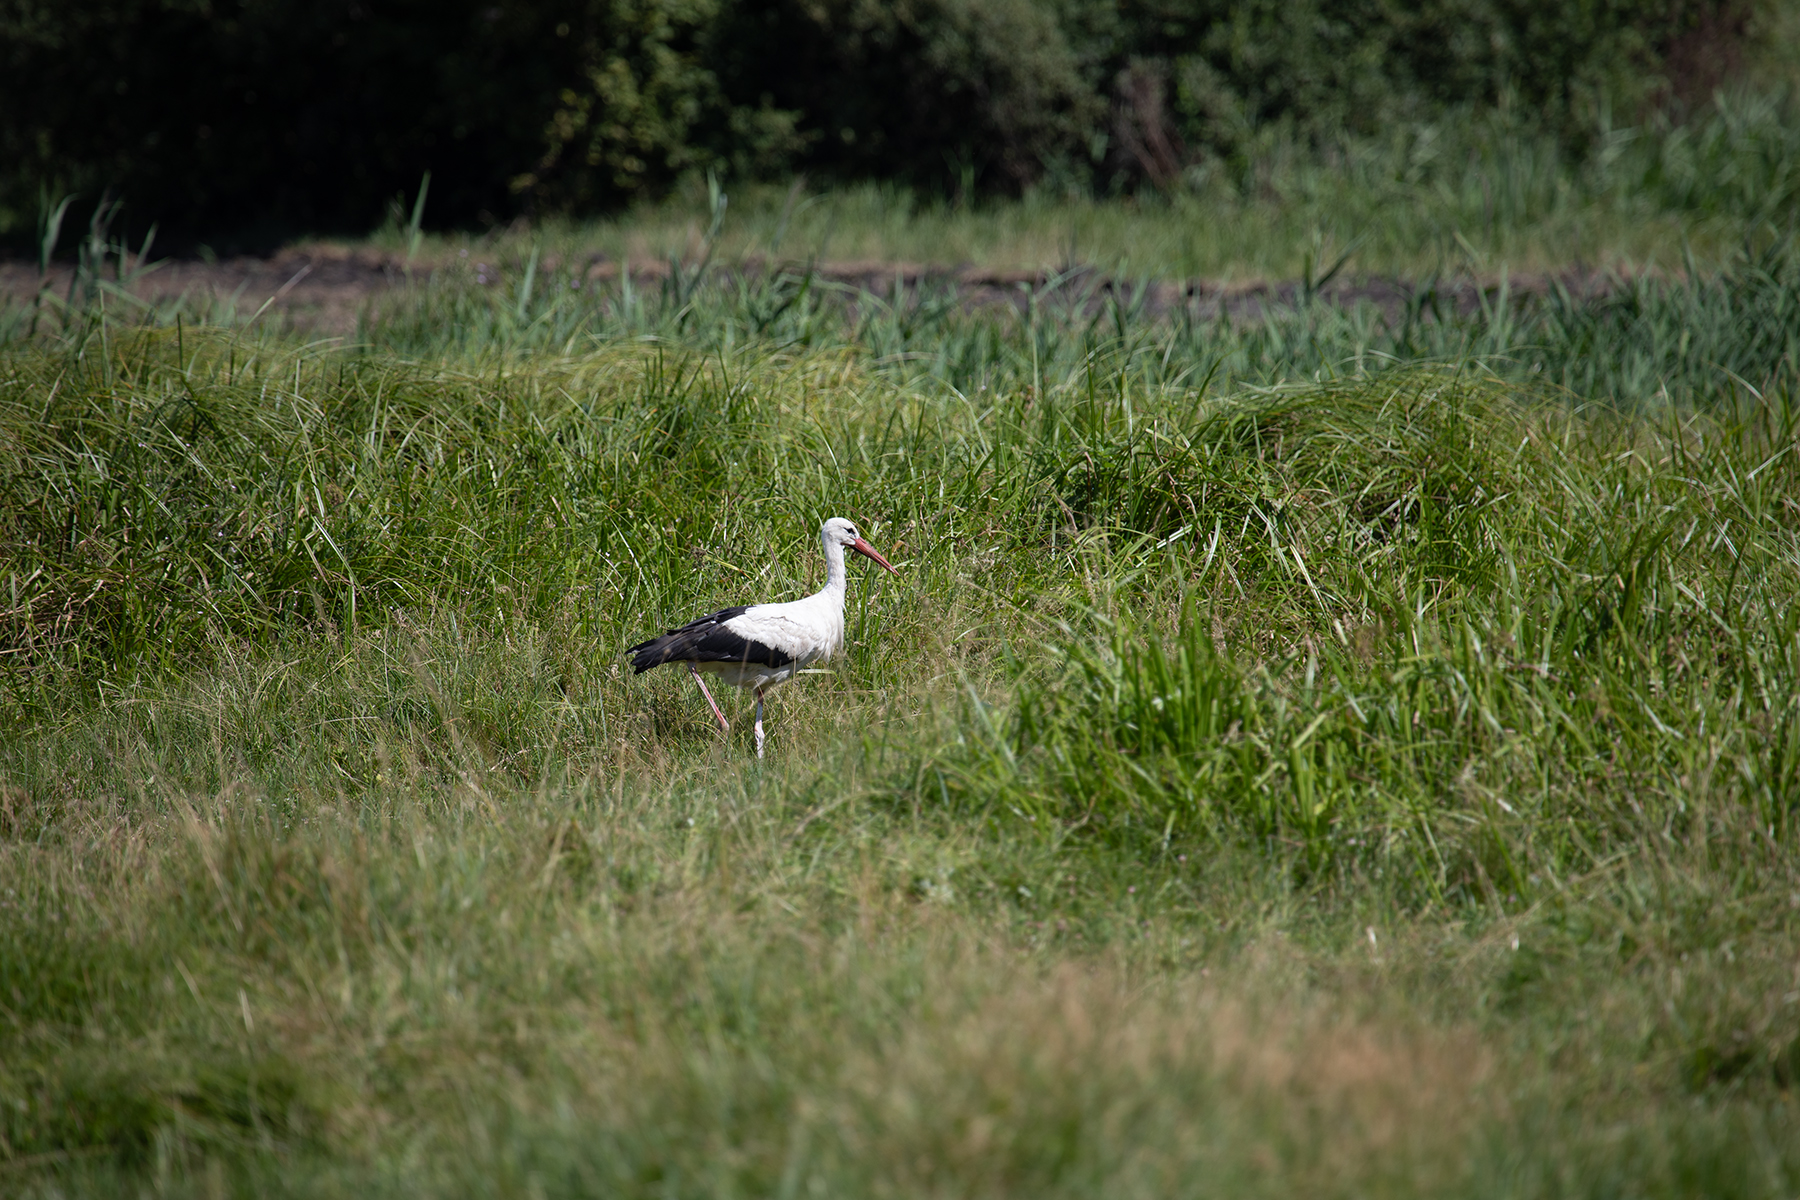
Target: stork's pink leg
(759,733)
(724,725)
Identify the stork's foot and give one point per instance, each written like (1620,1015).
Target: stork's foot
(724,725)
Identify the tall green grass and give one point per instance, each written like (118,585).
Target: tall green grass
(1701,338)
(1455,649)
(1521,573)
(1383,783)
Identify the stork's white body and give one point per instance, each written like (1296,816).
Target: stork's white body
(804,631)
(763,645)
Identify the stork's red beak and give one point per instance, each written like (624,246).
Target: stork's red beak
(867,551)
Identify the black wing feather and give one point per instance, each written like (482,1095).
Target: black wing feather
(706,640)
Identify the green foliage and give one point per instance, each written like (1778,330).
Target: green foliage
(1738,161)
(254,120)
(1218,85)
(249,120)
(650,107)
(952,94)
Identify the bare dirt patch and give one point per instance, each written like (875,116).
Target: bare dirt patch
(325,289)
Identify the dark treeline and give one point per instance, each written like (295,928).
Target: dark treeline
(255,119)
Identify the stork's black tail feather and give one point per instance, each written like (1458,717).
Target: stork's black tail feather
(705,640)
(653,653)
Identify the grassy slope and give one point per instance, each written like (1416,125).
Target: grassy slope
(1374,786)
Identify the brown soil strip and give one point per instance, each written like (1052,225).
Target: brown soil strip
(324,289)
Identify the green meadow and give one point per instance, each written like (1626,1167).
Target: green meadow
(1337,752)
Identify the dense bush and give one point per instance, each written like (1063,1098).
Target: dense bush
(956,91)
(1210,73)
(278,114)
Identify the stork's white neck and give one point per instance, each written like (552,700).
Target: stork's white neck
(834,567)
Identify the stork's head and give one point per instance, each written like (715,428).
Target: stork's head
(841,533)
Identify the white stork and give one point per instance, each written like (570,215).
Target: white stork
(758,646)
